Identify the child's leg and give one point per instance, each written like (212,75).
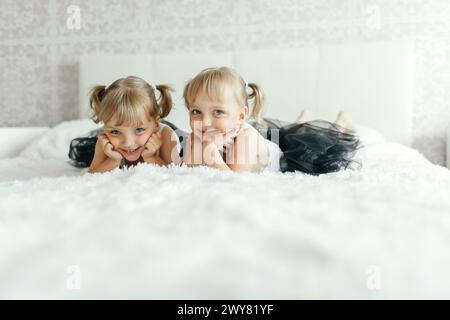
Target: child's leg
(303,117)
(343,120)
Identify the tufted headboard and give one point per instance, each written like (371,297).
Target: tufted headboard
(372,81)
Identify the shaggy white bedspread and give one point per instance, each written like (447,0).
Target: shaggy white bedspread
(181,233)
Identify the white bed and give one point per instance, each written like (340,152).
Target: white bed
(150,232)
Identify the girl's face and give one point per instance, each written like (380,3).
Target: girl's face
(222,115)
(130,140)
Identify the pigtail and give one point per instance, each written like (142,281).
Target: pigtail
(95,99)
(165,102)
(258,101)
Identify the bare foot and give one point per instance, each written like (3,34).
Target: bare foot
(343,120)
(303,117)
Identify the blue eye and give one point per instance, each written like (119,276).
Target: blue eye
(140,130)
(195,112)
(218,113)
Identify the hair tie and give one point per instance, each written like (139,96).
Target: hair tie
(154,87)
(246,84)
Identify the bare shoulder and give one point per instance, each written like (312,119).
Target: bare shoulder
(166,130)
(169,148)
(167,134)
(247,133)
(251,135)
(255,147)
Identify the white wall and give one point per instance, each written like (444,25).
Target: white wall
(39,53)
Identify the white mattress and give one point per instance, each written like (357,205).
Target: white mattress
(181,233)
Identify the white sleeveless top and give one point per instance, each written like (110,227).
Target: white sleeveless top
(274,151)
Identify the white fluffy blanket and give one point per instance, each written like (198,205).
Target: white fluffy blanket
(151,232)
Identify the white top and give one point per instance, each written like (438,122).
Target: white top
(274,152)
(161,128)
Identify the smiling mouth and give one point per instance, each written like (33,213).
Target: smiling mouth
(130,152)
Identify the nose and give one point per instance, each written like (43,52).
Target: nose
(128,142)
(206,122)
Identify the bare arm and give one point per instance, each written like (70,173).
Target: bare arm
(156,160)
(193,153)
(165,143)
(212,157)
(105,166)
(250,153)
(168,152)
(105,157)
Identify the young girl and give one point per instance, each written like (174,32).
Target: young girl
(132,131)
(217,101)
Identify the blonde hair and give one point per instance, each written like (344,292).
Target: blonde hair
(213,81)
(129,100)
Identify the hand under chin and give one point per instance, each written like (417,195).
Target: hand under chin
(220,138)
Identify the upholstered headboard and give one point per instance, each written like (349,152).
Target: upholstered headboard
(373,82)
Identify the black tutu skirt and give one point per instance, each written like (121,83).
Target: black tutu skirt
(313,147)
(82,149)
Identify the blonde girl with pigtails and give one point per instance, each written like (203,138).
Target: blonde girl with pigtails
(217,100)
(227,137)
(134,130)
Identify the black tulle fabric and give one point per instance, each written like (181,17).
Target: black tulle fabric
(314,147)
(82,149)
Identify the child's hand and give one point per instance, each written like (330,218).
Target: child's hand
(108,148)
(211,153)
(152,146)
(220,139)
(194,150)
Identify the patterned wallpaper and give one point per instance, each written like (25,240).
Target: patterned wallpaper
(41,41)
